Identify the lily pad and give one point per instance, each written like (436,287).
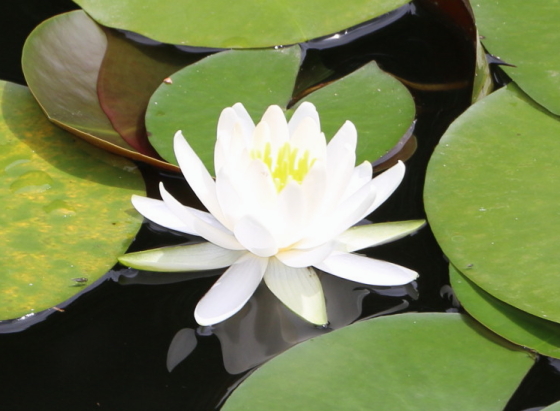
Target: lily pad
(491,197)
(380,106)
(405,362)
(235,24)
(505,320)
(553,407)
(66,208)
(61,61)
(128,76)
(525,34)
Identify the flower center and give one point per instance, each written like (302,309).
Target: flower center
(288,164)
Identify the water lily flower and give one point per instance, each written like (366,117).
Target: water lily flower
(283,203)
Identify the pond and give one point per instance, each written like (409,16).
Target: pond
(130,340)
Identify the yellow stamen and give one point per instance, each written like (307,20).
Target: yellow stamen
(287,165)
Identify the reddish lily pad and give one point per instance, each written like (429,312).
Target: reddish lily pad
(128,76)
(61,61)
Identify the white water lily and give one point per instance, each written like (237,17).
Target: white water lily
(283,201)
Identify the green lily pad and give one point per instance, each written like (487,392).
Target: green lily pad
(505,320)
(66,208)
(380,106)
(196,95)
(405,362)
(492,200)
(525,34)
(235,24)
(483,84)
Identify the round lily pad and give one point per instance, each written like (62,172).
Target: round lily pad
(525,34)
(491,197)
(66,208)
(69,63)
(517,326)
(553,407)
(61,61)
(235,24)
(405,362)
(380,106)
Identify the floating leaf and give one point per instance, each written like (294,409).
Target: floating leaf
(492,200)
(235,24)
(128,76)
(380,106)
(66,208)
(505,320)
(483,83)
(403,362)
(525,34)
(61,62)
(553,407)
(196,95)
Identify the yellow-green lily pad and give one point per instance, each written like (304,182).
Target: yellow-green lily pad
(66,211)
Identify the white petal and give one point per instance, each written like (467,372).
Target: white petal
(261,136)
(348,213)
(305,257)
(231,202)
(386,184)
(197,175)
(203,223)
(226,124)
(346,138)
(305,109)
(308,137)
(255,237)
(291,215)
(366,270)
(195,257)
(157,211)
(361,175)
(276,120)
(259,191)
(314,187)
(363,236)
(232,290)
(299,289)
(341,159)
(245,121)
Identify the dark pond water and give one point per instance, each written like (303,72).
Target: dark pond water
(109,349)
